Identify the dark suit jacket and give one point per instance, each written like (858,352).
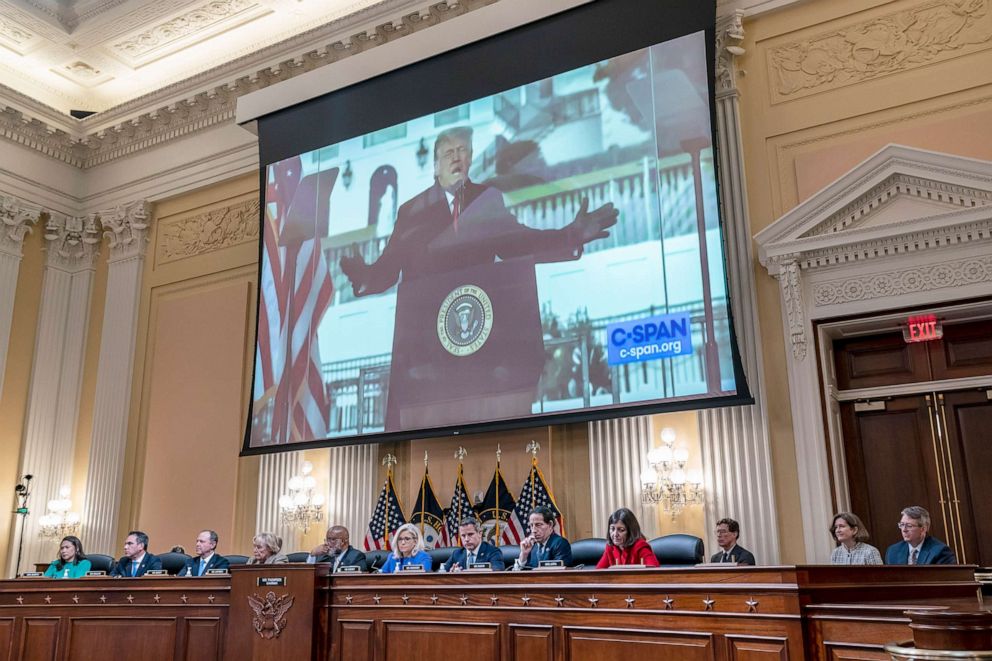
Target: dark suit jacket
(486,552)
(352,556)
(932,552)
(557,548)
(192,567)
(123,566)
(739,554)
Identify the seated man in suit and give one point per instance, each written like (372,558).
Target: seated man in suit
(337,549)
(917,547)
(136,560)
(727,532)
(206,556)
(543,543)
(473,549)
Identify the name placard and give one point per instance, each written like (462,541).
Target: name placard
(480,566)
(94,574)
(349,569)
(216,572)
(31,574)
(550,564)
(413,569)
(156,572)
(271,581)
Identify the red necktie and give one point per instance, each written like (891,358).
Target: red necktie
(455,209)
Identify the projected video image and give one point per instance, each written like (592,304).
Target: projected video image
(553,248)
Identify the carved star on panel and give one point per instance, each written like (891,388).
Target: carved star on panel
(157,599)
(630,602)
(494,600)
(48,599)
(752,605)
(593,601)
(559,600)
(464,599)
(103,598)
(184,599)
(75,598)
(708,603)
(669,603)
(376,599)
(434,599)
(211,598)
(406,599)
(526,600)
(20,600)
(348,599)
(130,599)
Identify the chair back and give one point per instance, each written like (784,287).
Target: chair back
(173,562)
(237,559)
(298,556)
(440,555)
(677,550)
(588,551)
(376,558)
(100,562)
(510,553)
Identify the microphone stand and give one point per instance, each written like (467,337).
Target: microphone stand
(23,491)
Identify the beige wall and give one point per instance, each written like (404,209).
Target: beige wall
(854,75)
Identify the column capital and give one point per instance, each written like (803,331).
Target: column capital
(729,35)
(73,241)
(16,218)
(126,229)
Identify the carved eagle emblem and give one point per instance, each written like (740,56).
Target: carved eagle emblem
(270,613)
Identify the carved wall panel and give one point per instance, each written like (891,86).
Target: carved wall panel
(208,231)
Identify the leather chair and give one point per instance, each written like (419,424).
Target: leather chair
(237,559)
(173,562)
(678,550)
(510,553)
(587,552)
(298,556)
(440,555)
(100,562)
(376,559)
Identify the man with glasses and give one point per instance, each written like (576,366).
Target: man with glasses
(337,548)
(543,543)
(206,556)
(727,532)
(917,547)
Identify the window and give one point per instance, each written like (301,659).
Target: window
(451,116)
(384,135)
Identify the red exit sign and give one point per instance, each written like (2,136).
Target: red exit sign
(923,329)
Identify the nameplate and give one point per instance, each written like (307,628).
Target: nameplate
(638,566)
(216,572)
(31,574)
(271,581)
(480,566)
(413,569)
(550,564)
(349,569)
(94,574)
(157,572)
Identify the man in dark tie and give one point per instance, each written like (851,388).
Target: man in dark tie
(543,543)
(136,560)
(918,547)
(337,549)
(727,532)
(206,556)
(473,549)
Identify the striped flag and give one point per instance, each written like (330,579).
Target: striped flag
(496,512)
(534,492)
(295,291)
(461,506)
(429,516)
(386,517)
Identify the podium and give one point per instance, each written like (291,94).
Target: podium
(467,346)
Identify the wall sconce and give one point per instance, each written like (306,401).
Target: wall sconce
(422,154)
(347,175)
(666,482)
(301,507)
(59,521)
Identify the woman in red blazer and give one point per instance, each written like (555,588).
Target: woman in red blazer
(627,545)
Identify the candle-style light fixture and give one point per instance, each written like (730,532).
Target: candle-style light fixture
(301,507)
(59,520)
(666,481)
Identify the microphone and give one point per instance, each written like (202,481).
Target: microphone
(373,569)
(580,566)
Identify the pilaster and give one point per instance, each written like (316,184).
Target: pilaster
(274,474)
(16,219)
(351,496)
(618,450)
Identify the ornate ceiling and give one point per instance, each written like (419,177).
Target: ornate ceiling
(97,54)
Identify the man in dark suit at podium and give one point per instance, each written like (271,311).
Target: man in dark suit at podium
(136,560)
(918,547)
(206,556)
(337,549)
(452,226)
(543,543)
(473,549)
(727,532)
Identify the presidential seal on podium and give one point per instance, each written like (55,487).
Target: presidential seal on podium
(465,320)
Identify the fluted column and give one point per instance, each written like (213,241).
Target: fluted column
(16,219)
(126,228)
(273,476)
(734,440)
(352,488)
(57,369)
(618,450)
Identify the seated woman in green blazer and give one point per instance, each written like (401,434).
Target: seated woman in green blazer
(71,563)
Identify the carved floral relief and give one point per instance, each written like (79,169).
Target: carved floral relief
(210,231)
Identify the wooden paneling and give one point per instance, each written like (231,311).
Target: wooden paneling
(6,638)
(148,639)
(356,640)
(757,648)
(880,360)
(965,350)
(844,652)
(403,641)
(969,419)
(591,644)
(531,643)
(39,639)
(203,638)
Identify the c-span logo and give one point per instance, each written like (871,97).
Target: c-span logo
(661,336)
(465,320)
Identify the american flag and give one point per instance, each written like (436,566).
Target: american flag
(496,512)
(296,289)
(429,516)
(461,506)
(534,492)
(386,517)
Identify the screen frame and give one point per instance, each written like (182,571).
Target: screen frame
(582,35)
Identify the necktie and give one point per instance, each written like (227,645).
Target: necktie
(456,207)
(203,567)
(726,557)
(470,561)
(134,568)
(913,556)
(540,553)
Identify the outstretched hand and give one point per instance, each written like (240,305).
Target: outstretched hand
(353,266)
(592,225)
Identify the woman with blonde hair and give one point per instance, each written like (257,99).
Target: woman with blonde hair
(265,547)
(408,549)
(851,535)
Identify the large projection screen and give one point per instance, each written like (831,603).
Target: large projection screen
(523,231)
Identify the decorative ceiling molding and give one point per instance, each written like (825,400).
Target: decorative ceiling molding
(899,41)
(87,147)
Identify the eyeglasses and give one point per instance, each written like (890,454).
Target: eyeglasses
(907,526)
(405,539)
